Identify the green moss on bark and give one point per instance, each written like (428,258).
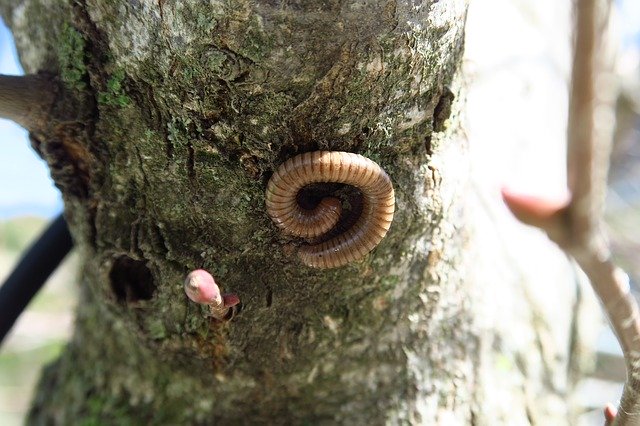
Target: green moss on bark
(71,57)
(115,95)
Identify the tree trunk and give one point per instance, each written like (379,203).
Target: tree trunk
(172,116)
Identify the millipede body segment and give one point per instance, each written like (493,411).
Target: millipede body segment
(378,204)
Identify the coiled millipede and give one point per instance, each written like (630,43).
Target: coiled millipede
(378,204)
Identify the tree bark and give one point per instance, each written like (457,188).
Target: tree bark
(182,111)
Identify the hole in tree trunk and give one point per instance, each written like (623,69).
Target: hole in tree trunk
(442,110)
(131,280)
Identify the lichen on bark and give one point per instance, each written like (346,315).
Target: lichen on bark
(188,107)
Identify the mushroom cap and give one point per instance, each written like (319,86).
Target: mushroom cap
(202,288)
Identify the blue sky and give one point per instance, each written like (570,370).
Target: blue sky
(629,22)
(25,185)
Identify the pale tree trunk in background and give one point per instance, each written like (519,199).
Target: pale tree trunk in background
(173,116)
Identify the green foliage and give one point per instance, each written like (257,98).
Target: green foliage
(71,58)
(17,234)
(17,366)
(115,96)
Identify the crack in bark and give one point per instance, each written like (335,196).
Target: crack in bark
(169,146)
(191,169)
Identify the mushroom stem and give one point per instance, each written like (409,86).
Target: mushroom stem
(26,99)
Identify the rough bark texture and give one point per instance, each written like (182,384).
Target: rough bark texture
(184,109)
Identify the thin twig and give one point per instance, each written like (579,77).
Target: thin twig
(575,223)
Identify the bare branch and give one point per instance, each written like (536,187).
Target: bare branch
(587,162)
(26,99)
(576,226)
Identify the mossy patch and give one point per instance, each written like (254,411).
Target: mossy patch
(71,58)
(257,42)
(115,95)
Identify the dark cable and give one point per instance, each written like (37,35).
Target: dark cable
(32,271)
